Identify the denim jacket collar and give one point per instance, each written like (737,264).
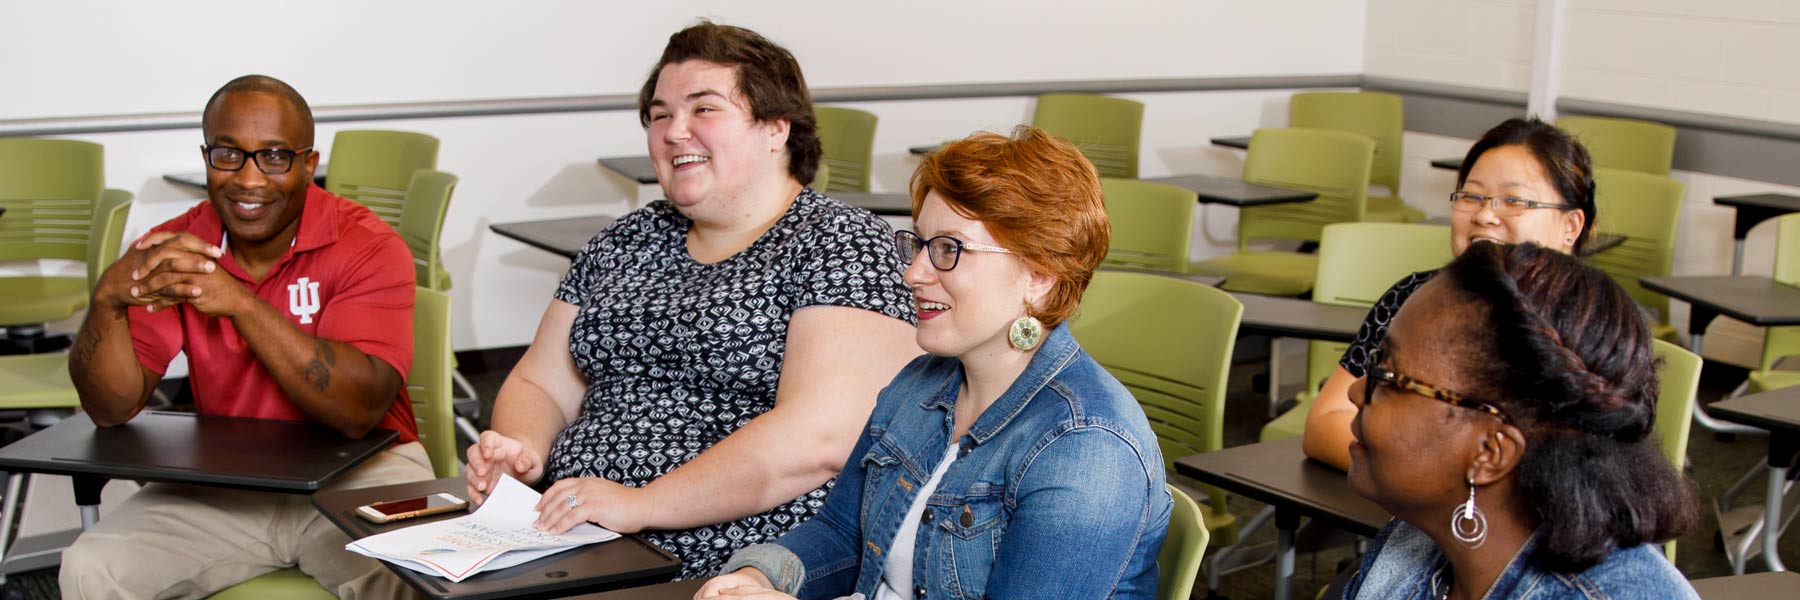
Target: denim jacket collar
(1055,354)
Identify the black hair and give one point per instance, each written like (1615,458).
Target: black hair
(1565,160)
(1570,358)
(267,85)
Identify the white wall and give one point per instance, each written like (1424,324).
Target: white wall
(1727,57)
(156,58)
(1478,43)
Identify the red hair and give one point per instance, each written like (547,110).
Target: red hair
(1037,195)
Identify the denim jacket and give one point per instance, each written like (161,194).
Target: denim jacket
(1402,559)
(1057,491)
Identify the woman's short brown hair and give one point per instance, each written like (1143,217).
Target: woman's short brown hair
(767,76)
(1037,195)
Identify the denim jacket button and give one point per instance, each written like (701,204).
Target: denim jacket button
(968,518)
(925,518)
(918,591)
(964,451)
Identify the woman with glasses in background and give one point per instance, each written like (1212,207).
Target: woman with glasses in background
(1006,463)
(1523,181)
(1505,422)
(704,364)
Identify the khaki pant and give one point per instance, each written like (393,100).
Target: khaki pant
(187,541)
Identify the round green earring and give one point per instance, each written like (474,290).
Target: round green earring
(1026,333)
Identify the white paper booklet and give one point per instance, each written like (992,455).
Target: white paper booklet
(496,536)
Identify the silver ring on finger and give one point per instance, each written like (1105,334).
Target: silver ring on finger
(572,501)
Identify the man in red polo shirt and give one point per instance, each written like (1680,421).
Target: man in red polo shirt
(291,303)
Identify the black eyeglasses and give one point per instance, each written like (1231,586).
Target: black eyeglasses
(1505,206)
(1379,375)
(271,161)
(943,250)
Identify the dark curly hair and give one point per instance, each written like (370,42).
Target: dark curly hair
(1569,356)
(1565,161)
(767,76)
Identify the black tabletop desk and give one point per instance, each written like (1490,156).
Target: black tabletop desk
(1756,586)
(1753,209)
(1450,164)
(680,590)
(1279,474)
(186,448)
(1235,192)
(1241,142)
(197,179)
(1758,301)
(619,563)
(1277,316)
(1777,411)
(881,203)
(565,237)
(633,167)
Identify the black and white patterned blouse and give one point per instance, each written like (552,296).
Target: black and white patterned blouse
(1374,327)
(678,354)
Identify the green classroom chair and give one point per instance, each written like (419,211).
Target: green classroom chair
(1780,342)
(1169,340)
(1178,563)
(1152,224)
(428,386)
(1646,209)
(373,167)
(1108,130)
(421,225)
(847,136)
(1333,164)
(1627,144)
(1678,390)
(56,209)
(1377,115)
(1358,262)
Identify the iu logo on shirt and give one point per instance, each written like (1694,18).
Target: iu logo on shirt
(303,300)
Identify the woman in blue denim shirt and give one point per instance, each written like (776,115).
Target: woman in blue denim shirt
(1005,463)
(1504,422)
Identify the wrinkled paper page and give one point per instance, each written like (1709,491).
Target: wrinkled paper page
(496,536)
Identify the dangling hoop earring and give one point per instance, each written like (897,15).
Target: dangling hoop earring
(1026,333)
(1468,523)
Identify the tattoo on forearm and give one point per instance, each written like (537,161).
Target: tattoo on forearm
(319,370)
(86,344)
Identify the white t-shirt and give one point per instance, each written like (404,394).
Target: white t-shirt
(896,575)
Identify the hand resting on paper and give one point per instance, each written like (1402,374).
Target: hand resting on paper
(599,501)
(494,455)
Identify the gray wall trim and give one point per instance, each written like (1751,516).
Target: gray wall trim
(527,106)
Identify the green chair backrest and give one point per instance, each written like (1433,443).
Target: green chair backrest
(1152,224)
(1780,342)
(422,223)
(1374,114)
(429,383)
(848,138)
(49,189)
(1358,262)
(1646,209)
(1333,164)
(1678,390)
(1107,130)
(1628,144)
(374,166)
(108,233)
(821,178)
(1178,564)
(1169,340)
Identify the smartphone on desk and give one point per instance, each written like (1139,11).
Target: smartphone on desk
(388,512)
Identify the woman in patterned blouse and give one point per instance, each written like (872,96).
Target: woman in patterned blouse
(707,362)
(1523,181)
